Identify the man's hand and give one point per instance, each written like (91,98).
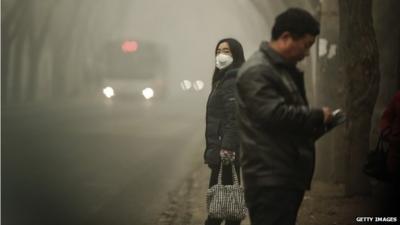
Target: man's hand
(327,114)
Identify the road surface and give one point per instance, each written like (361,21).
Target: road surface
(97,163)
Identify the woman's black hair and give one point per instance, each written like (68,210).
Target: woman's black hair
(237,55)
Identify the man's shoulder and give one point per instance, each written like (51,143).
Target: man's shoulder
(257,64)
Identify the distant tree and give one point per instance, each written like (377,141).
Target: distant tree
(329,85)
(38,36)
(23,34)
(13,25)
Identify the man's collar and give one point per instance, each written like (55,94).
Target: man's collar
(275,57)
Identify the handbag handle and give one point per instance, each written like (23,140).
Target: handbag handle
(234,174)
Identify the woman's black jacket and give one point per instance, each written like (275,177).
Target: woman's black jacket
(221,127)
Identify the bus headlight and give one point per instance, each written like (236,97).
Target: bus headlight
(108,92)
(148,93)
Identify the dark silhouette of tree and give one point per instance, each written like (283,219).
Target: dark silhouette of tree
(37,40)
(63,47)
(360,66)
(13,26)
(23,34)
(330,166)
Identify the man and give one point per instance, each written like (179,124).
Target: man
(277,127)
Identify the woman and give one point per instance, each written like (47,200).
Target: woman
(222,138)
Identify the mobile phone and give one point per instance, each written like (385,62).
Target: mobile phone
(338,117)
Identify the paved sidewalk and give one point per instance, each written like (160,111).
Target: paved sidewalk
(324,205)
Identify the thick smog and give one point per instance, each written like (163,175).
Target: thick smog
(123,112)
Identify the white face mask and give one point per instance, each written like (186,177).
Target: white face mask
(222,61)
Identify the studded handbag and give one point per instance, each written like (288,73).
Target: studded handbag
(226,201)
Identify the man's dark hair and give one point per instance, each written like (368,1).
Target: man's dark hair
(297,22)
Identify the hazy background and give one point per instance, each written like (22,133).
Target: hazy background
(70,155)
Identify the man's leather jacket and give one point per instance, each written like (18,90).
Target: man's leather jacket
(277,127)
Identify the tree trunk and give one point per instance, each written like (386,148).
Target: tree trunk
(17,76)
(13,27)
(329,89)
(36,51)
(359,63)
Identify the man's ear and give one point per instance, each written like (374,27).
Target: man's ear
(286,38)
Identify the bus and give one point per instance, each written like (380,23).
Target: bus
(132,69)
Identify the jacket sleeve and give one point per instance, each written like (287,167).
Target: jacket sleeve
(230,139)
(261,92)
(387,121)
(388,115)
